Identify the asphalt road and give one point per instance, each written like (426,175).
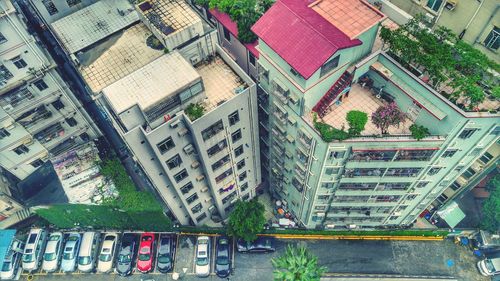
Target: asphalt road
(341,257)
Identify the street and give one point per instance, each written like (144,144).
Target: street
(341,257)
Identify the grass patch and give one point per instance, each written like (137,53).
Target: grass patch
(195,111)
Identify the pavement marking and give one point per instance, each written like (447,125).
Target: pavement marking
(212,260)
(175,254)
(355,237)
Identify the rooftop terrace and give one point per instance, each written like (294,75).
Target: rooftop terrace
(118,56)
(169,16)
(93,23)
(220,81)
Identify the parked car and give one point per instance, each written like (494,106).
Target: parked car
(88,251)
(260,245)
(35,244)
(52,254)
(489,267)
(70,252)
(145,255)
(12,261)
(107,254)
(202,267)
(165,253)
(223,257)
(126,254)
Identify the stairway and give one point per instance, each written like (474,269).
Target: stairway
(323,104)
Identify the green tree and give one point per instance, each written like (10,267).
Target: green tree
(357,121)
(297,264)
(195,111)
(491,207)
(419,132)
(246,220)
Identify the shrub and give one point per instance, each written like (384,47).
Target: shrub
(357,121)
(154,43)
(195,111)
(387,115)
(419,132)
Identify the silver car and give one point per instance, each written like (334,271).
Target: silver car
(202,267)
(12,261)
(52,254)
(107,254)
(70,252)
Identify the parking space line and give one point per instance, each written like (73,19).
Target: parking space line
(212,260)
(233,253)
(194,255)
(175,254)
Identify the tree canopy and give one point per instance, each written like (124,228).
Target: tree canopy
(491,207)
(244,12)
(246,220)
(297,264)
(442,56)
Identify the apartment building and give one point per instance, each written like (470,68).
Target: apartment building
(315,60)
(475,22)
(39,115)
(199,167)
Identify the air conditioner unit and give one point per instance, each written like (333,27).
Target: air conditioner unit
(28,142)
(8,107)
(208,200)
(195,164)
(188,149)
(200,177)
(182,132)
(194,59)
(204,189)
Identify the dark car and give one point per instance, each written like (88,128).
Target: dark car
(223,257)
(126,254)
(165,253)
(260,245)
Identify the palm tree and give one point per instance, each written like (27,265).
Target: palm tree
(297,264)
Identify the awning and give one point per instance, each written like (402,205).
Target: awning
(452,214)
(6,238)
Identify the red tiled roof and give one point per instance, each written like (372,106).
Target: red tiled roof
(301,36)
(232,27)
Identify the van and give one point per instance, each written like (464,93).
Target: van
(12,261)
(33,251)
(489,267)
(88,251)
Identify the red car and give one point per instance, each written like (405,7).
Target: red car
(145,255)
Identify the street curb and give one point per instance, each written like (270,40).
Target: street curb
(356,237)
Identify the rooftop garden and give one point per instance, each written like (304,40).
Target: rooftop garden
(244,12)
(195,111)
(454,68)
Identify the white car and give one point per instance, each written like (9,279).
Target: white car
(10,267)
(52,254)
(202,268)
(107,253)
(70,252)
(33,250)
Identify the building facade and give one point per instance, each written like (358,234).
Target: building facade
(475,22)
(372,180)
(198,167)
(40,116)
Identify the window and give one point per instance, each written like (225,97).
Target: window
(197,208)
(332,64)
(486,157)
(449,153)
(2,38)
(492,41)
(212,130)
(236,136)
(228,198)
(455,186)
(246,197)
(166,145)
(240,164)
(222,176)
(238,151)
(40,85)
(37,163)
(357,186)
(227,35)
(469,173)
(181,175)
(467,133)
(336,155)
(192,198)
(58,105)
(251,58)
(244,187)
(216,148)
(71,122)
(186,188)
(5,75)
(331,171)
(434,4)
(434,170)
(402,172)
(19,62)
(415,155)
(21,149)
(4,133)
(73,2)
(201,217)
(421,184)
(220,163)
(372,155)
(233,118)
(51,8)
(173,162)
(242,176)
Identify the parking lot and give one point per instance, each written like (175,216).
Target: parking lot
(413,258)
